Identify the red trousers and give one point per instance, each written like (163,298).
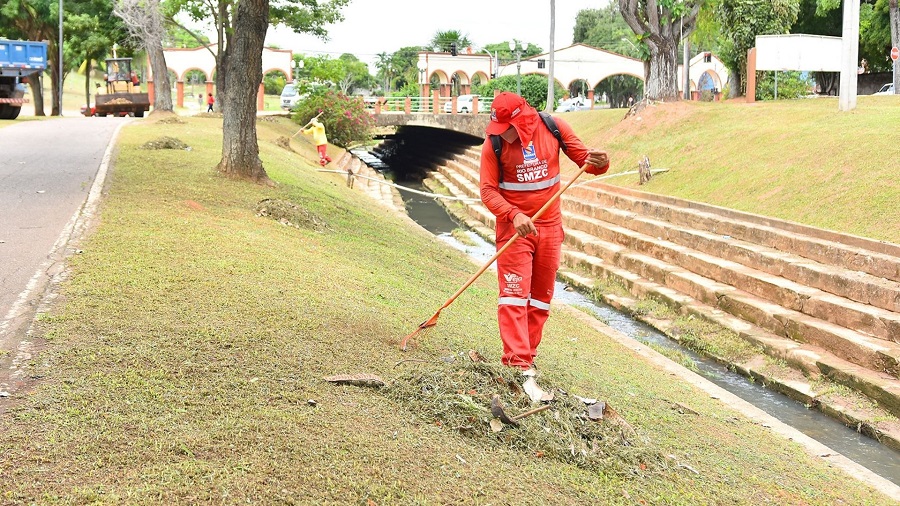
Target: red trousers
(526,273)
(323,155)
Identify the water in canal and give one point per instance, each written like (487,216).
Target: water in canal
(865,451)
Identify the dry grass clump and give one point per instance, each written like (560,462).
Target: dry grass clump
(290,214)
(455,393)
(284,142)
(165,143)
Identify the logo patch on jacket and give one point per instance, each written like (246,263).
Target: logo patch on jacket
(528,152)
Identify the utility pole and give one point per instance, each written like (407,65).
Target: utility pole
(550,78)
(849,55)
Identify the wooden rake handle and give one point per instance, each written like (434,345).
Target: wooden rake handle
(509,243)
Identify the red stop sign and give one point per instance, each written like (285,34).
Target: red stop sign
(895,53)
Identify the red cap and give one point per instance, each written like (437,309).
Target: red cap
(510,109)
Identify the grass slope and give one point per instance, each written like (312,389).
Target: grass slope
(798,160)
(193,333)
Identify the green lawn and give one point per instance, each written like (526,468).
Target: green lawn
(799,160)
(183,364)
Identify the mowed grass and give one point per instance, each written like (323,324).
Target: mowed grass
(183,363)
(798,160)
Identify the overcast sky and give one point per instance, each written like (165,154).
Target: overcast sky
(384,26)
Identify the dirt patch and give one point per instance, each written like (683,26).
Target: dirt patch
(165,143)
(648,115)
(290,214)
(455,393)
(284,142)
(166,118)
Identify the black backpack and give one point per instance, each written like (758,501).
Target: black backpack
(497,143)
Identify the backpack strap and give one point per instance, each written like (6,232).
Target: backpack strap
(551,125)
(549,122)
(497,143)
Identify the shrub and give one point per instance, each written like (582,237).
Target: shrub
(790,85)
(345,118)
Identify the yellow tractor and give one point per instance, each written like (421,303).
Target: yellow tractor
(122,93)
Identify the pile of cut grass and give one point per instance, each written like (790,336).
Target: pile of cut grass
(456,392)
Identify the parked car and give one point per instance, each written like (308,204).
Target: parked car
(289,97)
(887,89)
(463,104)
(573,104)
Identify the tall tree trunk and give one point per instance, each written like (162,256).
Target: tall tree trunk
(37,91)
(243,74)
(162,87)
(662,83)
(146,25)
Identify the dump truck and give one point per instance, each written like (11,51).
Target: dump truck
(19,60)
(121,94)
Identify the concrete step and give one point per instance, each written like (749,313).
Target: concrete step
(468,188)
(877,258)
(465,169)
(857,316)
(852,346)
(810,359)
(854,285)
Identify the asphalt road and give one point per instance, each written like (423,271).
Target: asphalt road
(47,170)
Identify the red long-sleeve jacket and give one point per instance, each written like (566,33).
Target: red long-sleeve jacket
(530,176)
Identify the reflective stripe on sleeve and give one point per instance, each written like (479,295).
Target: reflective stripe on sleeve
(512,301)
(524,187)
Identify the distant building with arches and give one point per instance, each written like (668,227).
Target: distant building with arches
(578,62)
(181,61)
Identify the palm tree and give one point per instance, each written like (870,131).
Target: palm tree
(384,69)
(441,41)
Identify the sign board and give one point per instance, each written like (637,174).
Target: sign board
(895,53)
(814,53)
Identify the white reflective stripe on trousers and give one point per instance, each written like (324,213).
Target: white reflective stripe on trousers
(539,304)
(515,301)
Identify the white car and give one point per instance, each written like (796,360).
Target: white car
(289,97)
(463,104)
(572,104)
(887,89)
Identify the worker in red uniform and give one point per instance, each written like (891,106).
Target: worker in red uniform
(513,188)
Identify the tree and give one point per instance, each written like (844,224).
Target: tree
(383,65)
(302,16)
(243,73)
(145,23)
(742,21)
(660,24)
(606,29)
(441,41)
(534,89)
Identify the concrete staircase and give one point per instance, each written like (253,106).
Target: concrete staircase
(825,303)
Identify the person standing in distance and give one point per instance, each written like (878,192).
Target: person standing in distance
(317,130)
(513,187)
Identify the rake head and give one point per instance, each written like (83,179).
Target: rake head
(423,327)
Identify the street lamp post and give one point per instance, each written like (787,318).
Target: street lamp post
(423,69)
(514,46)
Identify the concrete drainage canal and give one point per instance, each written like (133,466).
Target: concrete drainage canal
(884,461)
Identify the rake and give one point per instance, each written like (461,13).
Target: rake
(431,322)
